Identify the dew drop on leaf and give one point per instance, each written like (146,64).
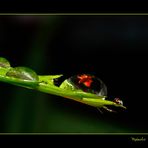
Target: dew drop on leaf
(4,63)
(87,83)
(24,73)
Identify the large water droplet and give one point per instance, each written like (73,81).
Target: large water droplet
(23,73)
(4,63)
(88,83)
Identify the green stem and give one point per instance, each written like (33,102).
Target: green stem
(50,88)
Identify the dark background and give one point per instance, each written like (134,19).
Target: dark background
(112,47)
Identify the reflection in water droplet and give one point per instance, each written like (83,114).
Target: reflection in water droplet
(4,63)
(23,73)
(88,83)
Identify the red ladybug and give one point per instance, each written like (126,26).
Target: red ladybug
(88,83)
(85,79)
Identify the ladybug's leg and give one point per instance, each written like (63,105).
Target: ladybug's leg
(110,110)
(99,110)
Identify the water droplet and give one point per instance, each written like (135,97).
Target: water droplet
(23,73)
(4,63)
(88,83)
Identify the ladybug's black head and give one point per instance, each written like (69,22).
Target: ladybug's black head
(118,101)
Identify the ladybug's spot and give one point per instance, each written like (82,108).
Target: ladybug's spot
(85,79)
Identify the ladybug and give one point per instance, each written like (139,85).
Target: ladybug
(118,101)
(87,83)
